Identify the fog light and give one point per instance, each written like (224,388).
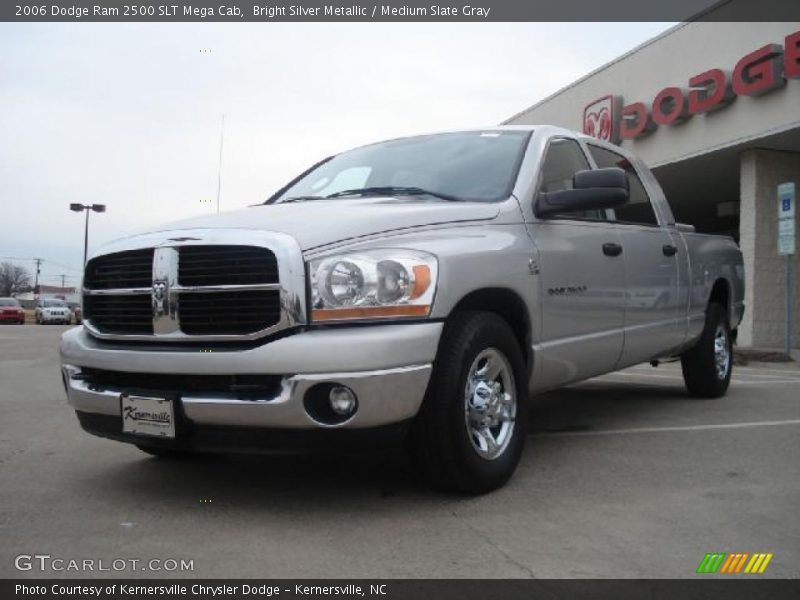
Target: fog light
(342,400)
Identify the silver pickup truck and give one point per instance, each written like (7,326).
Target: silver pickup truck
(422,288)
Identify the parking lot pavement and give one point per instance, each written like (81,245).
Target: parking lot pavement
(622,476)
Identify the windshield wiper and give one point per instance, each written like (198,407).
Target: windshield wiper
(393,190)
(301,199)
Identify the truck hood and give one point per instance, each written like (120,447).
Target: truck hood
(317,223)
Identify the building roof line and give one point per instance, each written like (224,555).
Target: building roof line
(704,13)
(594,72)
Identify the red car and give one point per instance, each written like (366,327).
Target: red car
(11,311)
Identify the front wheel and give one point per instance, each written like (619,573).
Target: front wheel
(707,366)
(469,434)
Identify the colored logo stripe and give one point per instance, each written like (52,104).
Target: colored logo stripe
(734,562)
(711,562)
(758,563)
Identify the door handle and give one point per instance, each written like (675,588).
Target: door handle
(612,249)
(669,250)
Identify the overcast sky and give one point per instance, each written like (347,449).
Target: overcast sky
(129,115)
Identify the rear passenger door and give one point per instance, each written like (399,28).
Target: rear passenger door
(582,285)
(652,305)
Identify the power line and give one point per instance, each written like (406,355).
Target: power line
(44,260)
(50,271)
(76,269)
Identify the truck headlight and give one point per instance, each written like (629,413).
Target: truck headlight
(372,284)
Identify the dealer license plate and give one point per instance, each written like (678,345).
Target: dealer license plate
(143,415)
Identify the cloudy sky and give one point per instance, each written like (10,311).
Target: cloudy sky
(129,115)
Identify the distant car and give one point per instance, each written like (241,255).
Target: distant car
(76,312)
(11,311)
(53,310)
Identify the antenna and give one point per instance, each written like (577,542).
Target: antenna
(219,170)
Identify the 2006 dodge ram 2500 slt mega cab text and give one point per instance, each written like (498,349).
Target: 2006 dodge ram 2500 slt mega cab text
(425,285)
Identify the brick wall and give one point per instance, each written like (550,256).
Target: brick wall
(760,173)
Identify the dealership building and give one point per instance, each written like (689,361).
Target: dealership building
(714,109)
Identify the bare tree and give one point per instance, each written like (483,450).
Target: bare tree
(13,279)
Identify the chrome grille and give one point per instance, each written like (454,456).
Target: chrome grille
(185,293)
(226,265)
(130,269)
(123,314)
(229,312)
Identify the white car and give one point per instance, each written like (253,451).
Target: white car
(53,310)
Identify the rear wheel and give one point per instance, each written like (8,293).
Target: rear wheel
(708,365)
(469,434)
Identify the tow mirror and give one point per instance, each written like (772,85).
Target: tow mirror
(591,190)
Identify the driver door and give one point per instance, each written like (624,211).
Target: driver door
(582,280)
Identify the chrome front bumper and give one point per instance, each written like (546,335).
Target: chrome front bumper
(388,367)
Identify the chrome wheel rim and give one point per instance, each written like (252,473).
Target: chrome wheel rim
(722,355)
(490,403)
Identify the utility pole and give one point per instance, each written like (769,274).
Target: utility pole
(219,170)
(36,276)
(62,280)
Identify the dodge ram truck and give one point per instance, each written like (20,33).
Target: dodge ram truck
(421,289)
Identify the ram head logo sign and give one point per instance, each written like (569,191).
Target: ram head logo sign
(601,119)
(159,296)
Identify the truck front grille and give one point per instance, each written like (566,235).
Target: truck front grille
(229,312)
(130,314)
(130,269)
(226,265)
(184,292)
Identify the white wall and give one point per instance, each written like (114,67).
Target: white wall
(672,59)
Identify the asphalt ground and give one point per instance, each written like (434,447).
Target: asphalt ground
(623,476)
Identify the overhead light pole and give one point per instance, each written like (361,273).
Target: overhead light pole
(87,208)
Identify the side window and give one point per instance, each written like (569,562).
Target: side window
(562,160)
(639,209)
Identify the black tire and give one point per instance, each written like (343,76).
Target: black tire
(440,440)
(701,373)
(167,453)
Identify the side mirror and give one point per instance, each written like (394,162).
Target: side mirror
(598,189)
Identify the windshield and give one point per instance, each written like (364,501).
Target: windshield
(9,302)
(53,303)
(472,165)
